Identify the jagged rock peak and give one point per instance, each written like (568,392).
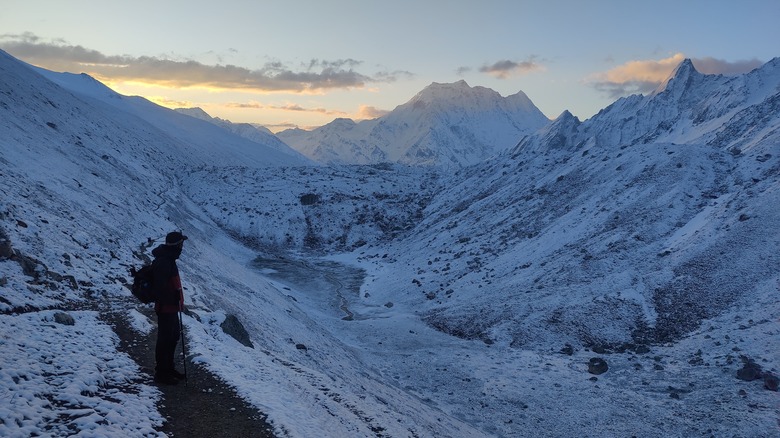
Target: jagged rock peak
(683,75)
(566,117)
(685,68)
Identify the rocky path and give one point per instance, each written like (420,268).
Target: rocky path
(205,406)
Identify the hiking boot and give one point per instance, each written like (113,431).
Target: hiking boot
(165,379)
(178,375)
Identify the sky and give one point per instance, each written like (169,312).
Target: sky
(297,63)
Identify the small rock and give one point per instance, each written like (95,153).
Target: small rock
(64,318)
(771,382)
(597,365)
(642,349)
(301,347)
(567,350)
(389,304)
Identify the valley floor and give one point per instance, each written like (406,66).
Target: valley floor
(83,378)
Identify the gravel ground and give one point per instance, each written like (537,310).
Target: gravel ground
(203,407)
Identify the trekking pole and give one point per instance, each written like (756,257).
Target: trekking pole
(183,348)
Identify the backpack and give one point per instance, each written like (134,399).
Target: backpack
(143,284)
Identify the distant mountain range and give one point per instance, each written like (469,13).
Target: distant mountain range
(445,125)
(256,133)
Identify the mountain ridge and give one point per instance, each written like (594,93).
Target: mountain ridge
(449,125)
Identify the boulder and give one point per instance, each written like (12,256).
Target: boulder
(597,365)
(750,371)
(64,318)
(233,327)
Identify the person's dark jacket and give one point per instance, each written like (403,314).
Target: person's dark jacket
(167,284)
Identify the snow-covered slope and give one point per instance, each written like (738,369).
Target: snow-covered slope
(472,304)
(648,234)
(88,190)
(206,141)
(446,125)
(662,209)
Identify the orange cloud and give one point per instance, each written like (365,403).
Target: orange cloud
(643,71)
(314,76)
(170,103)
(288,107)
(646,75)
(367,112)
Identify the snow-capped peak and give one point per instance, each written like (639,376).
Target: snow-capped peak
(445,124)
(443,96)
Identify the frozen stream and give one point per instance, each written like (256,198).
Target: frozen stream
(326,285)
(436,368)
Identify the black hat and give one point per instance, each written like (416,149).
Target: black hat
(175,238)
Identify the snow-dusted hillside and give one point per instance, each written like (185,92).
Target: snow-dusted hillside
(445,125)
(206,142)
(656,244)
(86,188)
(479,303)
(662,212)
(321,210)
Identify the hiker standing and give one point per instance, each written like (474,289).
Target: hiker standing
(170,301)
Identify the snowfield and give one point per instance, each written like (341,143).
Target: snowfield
(613,277)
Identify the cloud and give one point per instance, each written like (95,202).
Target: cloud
(712,66)
(315,75)
(276,127)
(365,112)
(288,107)
(506,68)
(370,112)
(460,71)
(646,75)
(170,103)
(392,76)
